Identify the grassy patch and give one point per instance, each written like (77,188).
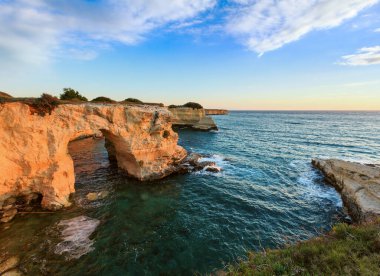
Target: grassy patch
(346,250)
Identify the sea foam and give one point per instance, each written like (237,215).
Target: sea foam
(75,234)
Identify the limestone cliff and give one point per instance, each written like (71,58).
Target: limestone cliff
(192,117)
(34,156)
(216,111)
(359,185)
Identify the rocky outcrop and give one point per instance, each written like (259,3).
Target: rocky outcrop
(359,185)
(192,117)
(34,156)
(196,162)
(216,111)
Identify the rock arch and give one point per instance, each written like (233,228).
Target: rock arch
(34,149)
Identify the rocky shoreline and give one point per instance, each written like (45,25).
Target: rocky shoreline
(358,184)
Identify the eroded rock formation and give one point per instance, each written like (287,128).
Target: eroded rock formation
(192,117)
(359,185)
(216,111)
(34,156)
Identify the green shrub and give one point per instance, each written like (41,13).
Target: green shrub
(193,105)
(44,104)
(189,104)
(70,94)
(103,100)
(133,100)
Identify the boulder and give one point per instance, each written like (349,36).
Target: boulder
(8,215)
(213,169)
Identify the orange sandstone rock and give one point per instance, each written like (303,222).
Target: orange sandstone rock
(33,149)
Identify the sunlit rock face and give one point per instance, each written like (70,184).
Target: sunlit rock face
(216,112)
(359,185)
(34,155)
(192,117)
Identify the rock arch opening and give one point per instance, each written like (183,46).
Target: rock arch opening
(35,148)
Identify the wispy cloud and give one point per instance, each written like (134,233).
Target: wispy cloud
(266,25)
(37,30)
(364,56)
(377,30)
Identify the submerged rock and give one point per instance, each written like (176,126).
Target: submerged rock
(13,272)
(97,196)
(8,215)
(9,264)
(359,185)
(92,196)
(214,169)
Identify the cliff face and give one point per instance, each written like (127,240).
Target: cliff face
(358,184)
(34,156)
(216,111)
(195,118)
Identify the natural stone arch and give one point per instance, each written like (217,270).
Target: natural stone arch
(34,150)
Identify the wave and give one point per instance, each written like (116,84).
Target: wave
(75,234)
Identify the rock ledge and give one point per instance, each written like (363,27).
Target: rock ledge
(358,184)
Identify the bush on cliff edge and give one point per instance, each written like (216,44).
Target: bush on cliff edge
(189,105)
(133,100)
(70,94)
(103,100)
(44,104)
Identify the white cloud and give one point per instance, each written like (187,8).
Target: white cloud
(266,25)
(365,56)
(377,30)
(38,30)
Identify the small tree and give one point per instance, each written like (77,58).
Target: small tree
(71,94)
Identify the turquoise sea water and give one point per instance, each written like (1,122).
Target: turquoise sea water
(267,195)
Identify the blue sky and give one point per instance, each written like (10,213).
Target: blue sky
(236,54)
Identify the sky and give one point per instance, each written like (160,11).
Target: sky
(233,54)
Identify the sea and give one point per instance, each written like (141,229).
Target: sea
(267,195)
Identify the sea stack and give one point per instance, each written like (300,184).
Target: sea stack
(194,118)
(216,112)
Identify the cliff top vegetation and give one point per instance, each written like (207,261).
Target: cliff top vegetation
(70,94)
(189,105)
(346,250)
